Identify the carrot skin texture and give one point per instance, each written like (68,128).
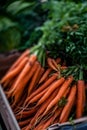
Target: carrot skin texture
(67,108)
(60,93)
(34,79)
(45,75)
(52,87)
(42,87)
(42,108)
(37,97)
(80,98)
(19,90)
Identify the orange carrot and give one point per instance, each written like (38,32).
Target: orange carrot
(10,75)
(15,87)
(24,122)
(24,128)
(62,90)
(57,110)
(26,69)
(34,79)
(42,87)
(48,123)
(35,98)
(80,103)
(67,108)
(40,75)
(25,114)
(52,87)
(42,108)
(17,62)
(17,92)
(45,75)
(55,63)
(51,65)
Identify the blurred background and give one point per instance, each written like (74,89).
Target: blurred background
(24,23)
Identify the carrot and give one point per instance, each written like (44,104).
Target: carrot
(34,79)
(44,124)
(28,113)
(26,69)
(17,62)
(8,84)
(81,97)
(29,75)
(51,65)
(40,75)
(24,128)
(63,88)
(57,113)
(67,108)
(55,62)
(35,98)
(40,126)
(42,108)
(50,120)
(80,103)
(48,123)
(41,88)
(10,75)
(45,75)
(52,87)
(57,110)
(19,90)
(19,105)
(24,122)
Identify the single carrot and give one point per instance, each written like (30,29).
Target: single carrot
(34,79)
(62,90)
(80,103)
(17,62)
(81,97)
(52,87)
(45,75)
(67,108)
(10,75)
(41,88)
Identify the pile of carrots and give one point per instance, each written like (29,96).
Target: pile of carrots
(42,96)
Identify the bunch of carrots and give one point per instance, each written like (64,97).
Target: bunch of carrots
(41,96)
